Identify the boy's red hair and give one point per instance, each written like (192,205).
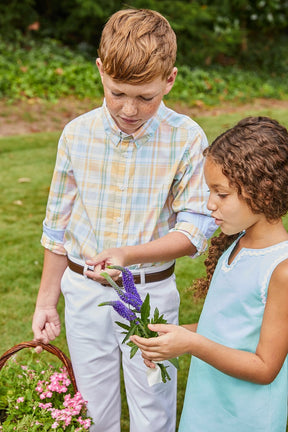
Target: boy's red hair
(137,46)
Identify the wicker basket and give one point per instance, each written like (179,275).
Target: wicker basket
(50,348)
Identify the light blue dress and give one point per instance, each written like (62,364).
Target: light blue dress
(232,316)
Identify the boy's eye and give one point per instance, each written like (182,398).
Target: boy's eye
(116,94)
(222,196)
(146,99)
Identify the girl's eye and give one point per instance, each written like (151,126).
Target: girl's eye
(222,196)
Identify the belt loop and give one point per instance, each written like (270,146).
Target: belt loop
(142,276)
(85,268)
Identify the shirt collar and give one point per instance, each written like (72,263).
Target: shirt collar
(140,137)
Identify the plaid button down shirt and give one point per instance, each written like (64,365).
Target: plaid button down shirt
(110,189)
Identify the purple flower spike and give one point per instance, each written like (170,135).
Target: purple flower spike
(128,282)
(131,299)
(127,297)
(121,309)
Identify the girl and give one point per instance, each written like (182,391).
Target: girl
(238,374)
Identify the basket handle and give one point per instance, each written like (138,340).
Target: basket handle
(48,347)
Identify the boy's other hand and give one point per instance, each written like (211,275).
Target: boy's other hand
(46,325)
(101,263)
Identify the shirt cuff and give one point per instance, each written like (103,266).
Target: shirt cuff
(205,223)
(193,233)
(53,240)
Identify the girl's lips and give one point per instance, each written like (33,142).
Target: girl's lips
(218,221)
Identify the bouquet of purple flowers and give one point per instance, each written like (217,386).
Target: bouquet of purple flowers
(137,313)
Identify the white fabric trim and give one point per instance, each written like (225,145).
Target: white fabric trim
(268,274)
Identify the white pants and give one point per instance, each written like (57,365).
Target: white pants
(96,350)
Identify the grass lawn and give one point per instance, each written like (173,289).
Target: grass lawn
(26,168)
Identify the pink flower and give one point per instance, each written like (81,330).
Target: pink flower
(45,406)
(85,423)
(54,386)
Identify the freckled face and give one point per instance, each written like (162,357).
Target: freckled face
(229,210)
(132,105)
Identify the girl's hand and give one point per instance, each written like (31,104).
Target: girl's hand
(172,341)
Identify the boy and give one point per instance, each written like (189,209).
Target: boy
(128,185)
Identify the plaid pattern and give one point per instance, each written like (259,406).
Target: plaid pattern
(110,189)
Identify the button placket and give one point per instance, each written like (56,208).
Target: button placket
(126,149)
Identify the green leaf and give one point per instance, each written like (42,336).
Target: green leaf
(174,362)
(133,351)
(145,309)
(138,331)
(161,320)
(156,314)
(130,333)
(124,326)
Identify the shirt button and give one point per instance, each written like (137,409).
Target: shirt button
(119,220)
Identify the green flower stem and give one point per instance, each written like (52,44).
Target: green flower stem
(142,327)
(164,374)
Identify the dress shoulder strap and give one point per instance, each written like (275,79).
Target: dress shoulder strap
(275,261)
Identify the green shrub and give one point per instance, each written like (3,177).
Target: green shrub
(49,70)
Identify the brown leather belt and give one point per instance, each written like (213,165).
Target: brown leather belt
(149,277)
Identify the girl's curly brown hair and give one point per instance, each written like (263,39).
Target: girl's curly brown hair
(254,157)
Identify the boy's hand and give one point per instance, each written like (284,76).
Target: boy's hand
(46,325)
(113,256)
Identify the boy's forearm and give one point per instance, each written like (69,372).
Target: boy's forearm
(50,287)
(171,246)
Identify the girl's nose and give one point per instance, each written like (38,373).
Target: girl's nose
(211,205)
(129,108)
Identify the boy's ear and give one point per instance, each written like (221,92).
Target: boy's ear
(171,80)
(100,67)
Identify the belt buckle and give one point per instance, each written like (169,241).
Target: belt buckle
(87,267)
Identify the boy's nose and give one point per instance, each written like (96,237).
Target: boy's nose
(129,108)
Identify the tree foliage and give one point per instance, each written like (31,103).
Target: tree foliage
(208,31)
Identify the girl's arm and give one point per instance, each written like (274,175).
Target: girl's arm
(260,367)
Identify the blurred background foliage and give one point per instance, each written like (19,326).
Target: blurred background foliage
(208,31)
(45,43)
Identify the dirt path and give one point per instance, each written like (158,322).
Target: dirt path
(39,116)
